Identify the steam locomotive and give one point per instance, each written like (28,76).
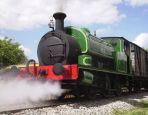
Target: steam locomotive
(86,64)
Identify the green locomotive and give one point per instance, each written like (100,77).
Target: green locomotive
(86,64)
(110,61)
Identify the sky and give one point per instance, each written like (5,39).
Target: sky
(27,21)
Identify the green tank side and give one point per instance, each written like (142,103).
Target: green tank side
(85,60)
(99,47)
(90,44)
(118,54)
(80,37)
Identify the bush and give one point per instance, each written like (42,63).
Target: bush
(11,53)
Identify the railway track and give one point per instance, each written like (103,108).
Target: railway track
(50,103)
(20,107)
(36,105)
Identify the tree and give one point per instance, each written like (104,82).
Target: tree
(11,53)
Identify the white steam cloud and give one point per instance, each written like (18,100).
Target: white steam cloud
(17,92)
(22,14)
(61,5)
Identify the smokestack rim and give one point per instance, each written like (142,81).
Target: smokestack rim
(60,15)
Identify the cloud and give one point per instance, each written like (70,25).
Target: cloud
(26,50)
(102,31)
(94,11)
(22,14)
(137,2)
(142,40)
(1,37)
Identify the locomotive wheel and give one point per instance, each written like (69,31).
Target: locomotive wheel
(118,91)
(136,86)
(131,85)
(66,95)
(105,90)
(117,86)
(91,94)
(62,97)
(77,92)
(77,96)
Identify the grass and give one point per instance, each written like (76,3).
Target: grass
(142,109)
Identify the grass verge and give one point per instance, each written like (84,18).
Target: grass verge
(142,109)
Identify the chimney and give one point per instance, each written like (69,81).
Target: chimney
(59,18)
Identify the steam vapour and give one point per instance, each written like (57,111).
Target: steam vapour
(15,92)
(61,5)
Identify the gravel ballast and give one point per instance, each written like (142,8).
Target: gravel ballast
(95,107)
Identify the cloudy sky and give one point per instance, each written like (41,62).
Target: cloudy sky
(27,21)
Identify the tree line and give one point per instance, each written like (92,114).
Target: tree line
(11,53)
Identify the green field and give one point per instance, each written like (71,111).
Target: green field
(141,109)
